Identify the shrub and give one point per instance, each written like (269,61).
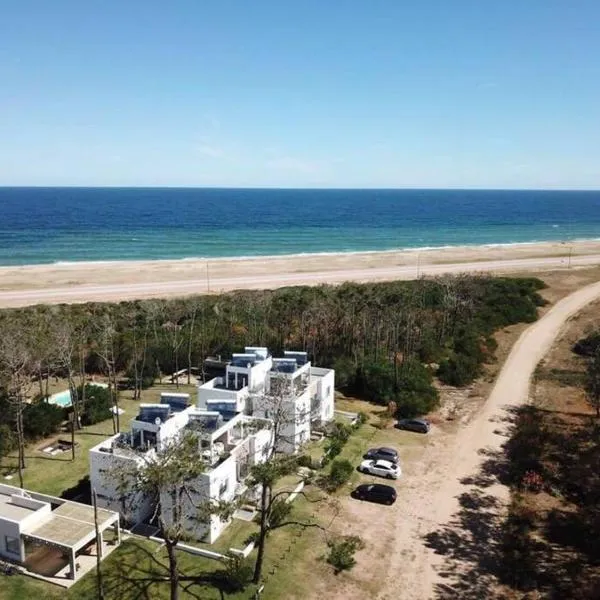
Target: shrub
(42,419)
(342,551)
(532,481)
(362,418)
(340,473)
(334,447)
(237,573)
(588,346)
(97,405)
(458,370)
(8,440)
(305,461)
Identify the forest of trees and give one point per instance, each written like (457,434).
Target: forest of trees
(385,340)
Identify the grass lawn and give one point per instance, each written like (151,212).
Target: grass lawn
(138,568)
(20,587)
(54,474)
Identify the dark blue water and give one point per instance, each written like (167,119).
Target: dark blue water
(46,225)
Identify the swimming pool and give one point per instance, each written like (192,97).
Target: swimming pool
(64,400)
(61,399)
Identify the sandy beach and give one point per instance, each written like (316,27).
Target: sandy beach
(125,280)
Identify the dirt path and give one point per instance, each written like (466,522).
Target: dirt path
(447,520)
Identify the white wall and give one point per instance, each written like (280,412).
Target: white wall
(10,529)
(207,391)
(103,469)
(325,390)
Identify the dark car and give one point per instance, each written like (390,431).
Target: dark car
(418,425)
(375,492)
(382,454)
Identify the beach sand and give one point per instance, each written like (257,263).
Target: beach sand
(77,282)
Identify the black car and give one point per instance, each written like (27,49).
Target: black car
(418,425)
(382,454)
(375,492)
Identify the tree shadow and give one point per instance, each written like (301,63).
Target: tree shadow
(471,542)
(140,573)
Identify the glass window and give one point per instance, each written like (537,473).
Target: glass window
(12,545)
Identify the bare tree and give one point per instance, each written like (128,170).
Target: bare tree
(279,404)
(167,478)
(106,338)
(15,370)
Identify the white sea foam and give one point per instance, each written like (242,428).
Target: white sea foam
(337,253)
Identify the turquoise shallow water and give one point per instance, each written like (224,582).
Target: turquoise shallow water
(46,225)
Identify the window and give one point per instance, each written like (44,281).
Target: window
(223,488)
(12,545)
(328,393)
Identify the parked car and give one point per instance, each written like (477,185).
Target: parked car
(375,492)
(382,468)
(382,454)
(418,425)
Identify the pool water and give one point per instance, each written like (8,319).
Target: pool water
(61,399)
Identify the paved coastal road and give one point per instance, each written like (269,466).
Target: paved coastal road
(132,291)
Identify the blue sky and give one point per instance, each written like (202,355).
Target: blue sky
(351,93)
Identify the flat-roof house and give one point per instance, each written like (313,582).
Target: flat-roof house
(51,536)
(228,445)
(254,382)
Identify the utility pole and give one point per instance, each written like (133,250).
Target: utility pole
(570,253)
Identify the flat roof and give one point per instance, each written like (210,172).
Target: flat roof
(83,512)
(70,523)
(11,511)
(61,531)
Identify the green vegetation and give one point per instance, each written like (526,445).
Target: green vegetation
(97,405)
(340,472)
(550,538)
(342,551)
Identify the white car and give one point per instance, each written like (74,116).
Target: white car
(382,468)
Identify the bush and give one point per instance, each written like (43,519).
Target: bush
(334,447)
(42,419)
(305,461)
(97,406)
(340,473)
(237,573)
(587,346)
(341,552)
(8,440)
(459,370)
(362,418)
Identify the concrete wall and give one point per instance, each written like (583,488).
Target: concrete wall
(13,530)
(207,391)
(104,478)
(325,390)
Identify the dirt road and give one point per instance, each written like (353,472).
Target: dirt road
(130,289)
(448,513)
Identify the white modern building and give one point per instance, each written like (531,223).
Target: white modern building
(288,390)
(228,447)
(52,536)
(234,419)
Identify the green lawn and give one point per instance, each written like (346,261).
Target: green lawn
(54,474)
(20,587)
(294,555)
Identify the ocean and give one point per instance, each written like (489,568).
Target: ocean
(54,225)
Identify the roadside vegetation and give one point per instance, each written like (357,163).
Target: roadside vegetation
(551,536)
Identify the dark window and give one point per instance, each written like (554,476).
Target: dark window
(12,545)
